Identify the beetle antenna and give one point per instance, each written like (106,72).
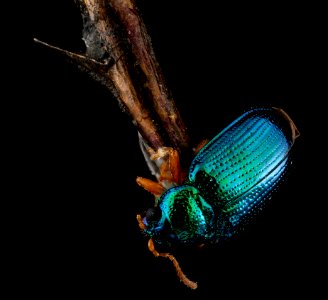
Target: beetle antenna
(191,284)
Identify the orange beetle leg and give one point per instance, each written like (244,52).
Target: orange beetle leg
(170,169)
(141,224)
(165,172)
(175,167)
(200,145)
(151,186)
(181,275)
(160,153)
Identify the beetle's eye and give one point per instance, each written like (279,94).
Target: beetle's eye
(153,214)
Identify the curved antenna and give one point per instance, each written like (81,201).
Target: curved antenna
(183,278)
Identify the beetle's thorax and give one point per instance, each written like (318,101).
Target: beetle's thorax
(182,215)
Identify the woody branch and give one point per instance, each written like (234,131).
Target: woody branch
(119,54)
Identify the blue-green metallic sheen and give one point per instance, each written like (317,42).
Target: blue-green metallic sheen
(229,181)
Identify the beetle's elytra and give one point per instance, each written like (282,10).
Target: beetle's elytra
(229,180)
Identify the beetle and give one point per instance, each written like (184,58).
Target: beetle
(229,180)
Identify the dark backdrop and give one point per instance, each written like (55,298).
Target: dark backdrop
(80,154)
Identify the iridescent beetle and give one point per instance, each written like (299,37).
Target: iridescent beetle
(229,180)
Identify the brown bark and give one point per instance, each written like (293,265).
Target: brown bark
(158,92)
(119,54)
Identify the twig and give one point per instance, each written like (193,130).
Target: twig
(155,84)
(119,54)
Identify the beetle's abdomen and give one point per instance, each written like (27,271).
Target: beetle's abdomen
(238,170)
(244,154)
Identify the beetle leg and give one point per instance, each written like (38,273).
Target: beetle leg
(141,224)
(160,153)
(170,169)
(174,166)
(151,186)
(200,146)
(181,275)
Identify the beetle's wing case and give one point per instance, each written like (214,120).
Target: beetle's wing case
(240,167)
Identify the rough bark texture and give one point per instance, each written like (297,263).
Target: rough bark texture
(158,92)
(119,54)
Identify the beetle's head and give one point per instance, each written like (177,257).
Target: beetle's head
(182,215)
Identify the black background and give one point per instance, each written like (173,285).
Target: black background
(79,154)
